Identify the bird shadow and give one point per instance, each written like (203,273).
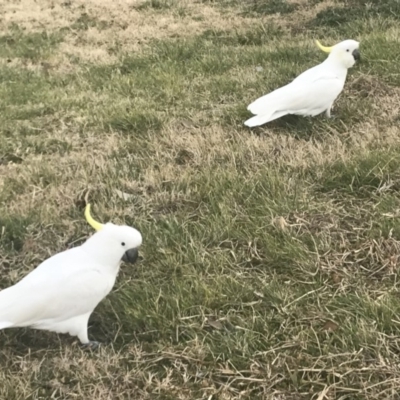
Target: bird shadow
(23,341)
(302,128)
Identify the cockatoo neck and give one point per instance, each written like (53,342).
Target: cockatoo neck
(103,252)
(336,65)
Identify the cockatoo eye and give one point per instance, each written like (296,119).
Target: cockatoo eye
(123,244)
(347,50)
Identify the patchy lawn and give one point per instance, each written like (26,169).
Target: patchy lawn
(270,259)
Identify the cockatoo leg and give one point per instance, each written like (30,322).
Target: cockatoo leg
(328,111)
(82,332)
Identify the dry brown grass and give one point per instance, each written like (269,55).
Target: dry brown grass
(95,32)
(114,24)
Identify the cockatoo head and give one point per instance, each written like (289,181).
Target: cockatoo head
(346,52)
(113,243)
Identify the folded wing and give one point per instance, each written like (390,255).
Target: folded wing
(61,288)
(301,97)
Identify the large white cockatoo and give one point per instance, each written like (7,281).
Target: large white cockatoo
(61,293)
(313,91)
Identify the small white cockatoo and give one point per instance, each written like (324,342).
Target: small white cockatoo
(313,91)
(61,293)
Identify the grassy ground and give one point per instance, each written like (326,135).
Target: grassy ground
(270,259)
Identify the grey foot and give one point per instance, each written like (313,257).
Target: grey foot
(91,345)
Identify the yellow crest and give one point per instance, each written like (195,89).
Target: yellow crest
(94,224)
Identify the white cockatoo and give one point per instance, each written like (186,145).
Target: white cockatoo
(61,293)
(313,91)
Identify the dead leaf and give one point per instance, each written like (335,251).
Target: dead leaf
(214,323)
(123,195)
(186,123)
(280,223)
(330,326)
(336,277)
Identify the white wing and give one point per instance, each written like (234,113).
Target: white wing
(66,285)
(300,96)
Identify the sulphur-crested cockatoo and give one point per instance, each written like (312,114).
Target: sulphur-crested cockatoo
(312,92)
(61,293)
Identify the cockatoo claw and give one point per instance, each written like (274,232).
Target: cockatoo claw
(91,345)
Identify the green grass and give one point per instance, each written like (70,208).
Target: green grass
(269,266)
(157,4)
(348,12)
(31,46)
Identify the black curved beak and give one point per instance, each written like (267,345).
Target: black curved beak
(356,54)
(131,256)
